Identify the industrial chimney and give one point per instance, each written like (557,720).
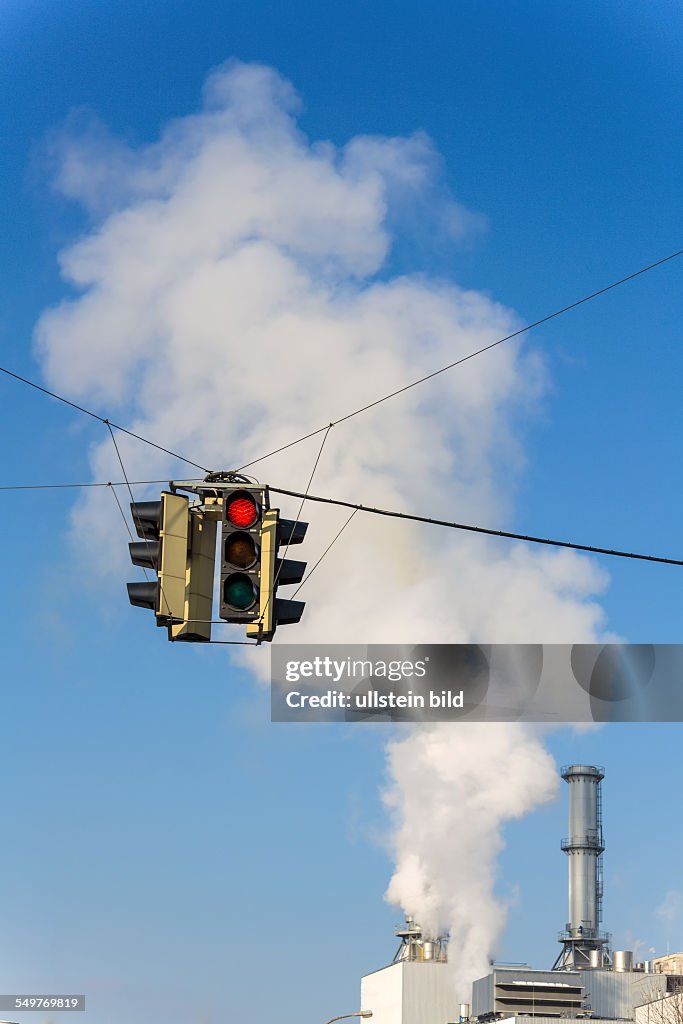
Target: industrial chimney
(582,944)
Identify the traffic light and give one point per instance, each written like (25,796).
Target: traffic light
(251,571)
(241,540)
(274,572)
(164,527)
(178,542)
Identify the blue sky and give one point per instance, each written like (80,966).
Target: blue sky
(163,836)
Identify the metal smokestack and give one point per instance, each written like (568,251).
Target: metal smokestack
(583,945)
(584,848)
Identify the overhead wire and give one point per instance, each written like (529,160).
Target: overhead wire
(132,501)
(358,507)
(123,515)
(138,525)
(123,470)
(356,412)
(464,359)
(98,483)
(325,552)
(327,428)
(298,516)
(530,539)
(96,416)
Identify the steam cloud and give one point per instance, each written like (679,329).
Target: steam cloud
(231,294)
(452,793)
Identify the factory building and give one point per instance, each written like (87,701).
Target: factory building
(416,988)
(410,993)
(596,993)
(510,991)
(587,981)
(671,964)
(667,1010)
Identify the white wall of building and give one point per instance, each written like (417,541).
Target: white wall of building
(409,992)
(382,992)
(668,1010)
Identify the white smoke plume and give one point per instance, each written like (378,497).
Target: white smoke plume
(231,294)
(453,790)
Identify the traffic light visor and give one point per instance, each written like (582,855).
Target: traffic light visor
(143,595)
(146,518)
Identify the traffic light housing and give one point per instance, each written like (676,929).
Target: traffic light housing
(241,530)
(251,571)
(275,572)
(179,544)
(201,562)
(163,526)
